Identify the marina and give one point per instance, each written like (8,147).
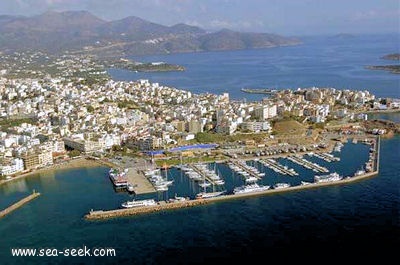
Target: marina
(248,190)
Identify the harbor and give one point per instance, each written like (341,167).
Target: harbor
(371,169)
(19,204)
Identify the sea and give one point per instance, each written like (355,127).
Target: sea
(358,220)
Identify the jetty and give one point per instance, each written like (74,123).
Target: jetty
(307,164)
(275,166)
(19,204)
(250,170)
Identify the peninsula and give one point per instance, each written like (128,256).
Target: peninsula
(141,67)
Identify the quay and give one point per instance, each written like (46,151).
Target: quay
(139,182)
(278,167)
(19,204)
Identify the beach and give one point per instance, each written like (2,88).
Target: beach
(80,162)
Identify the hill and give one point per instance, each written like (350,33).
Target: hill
(81,31)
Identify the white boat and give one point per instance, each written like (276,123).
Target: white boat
(141,203)
(359,172)
(281,185)
(328,178)
(206,195)
(251,179)
(130,188)
(304,183)
(178,199)
(205,184)
(219,182)
(250,188)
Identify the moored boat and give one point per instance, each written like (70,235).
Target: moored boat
(141,203)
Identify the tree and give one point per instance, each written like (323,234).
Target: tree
(74,153)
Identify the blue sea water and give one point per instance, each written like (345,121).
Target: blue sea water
(361,219)
(319,61)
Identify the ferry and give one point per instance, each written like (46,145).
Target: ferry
(281,185)
(206,195)
(142,203)
(119,179)
(328,178)
(250,188)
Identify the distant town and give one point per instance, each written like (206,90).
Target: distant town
(56,108)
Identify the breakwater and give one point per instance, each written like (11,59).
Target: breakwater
(19,204)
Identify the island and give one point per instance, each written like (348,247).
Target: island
(393,68)
(130,65)
(392,56)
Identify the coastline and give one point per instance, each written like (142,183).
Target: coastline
(81,162)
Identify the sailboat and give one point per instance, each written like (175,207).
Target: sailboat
(206,195)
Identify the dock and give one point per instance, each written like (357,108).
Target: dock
(253,173)
(19,204)
(138,180)
(307,164)
(201,173)
(275,166)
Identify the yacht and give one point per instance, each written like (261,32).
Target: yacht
(142,203)
(250,188)
(359,172)
(281,185)
(251,179)
(304,183)
(327,178)
(206,195)
(130,188)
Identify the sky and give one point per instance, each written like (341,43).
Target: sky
(288,17)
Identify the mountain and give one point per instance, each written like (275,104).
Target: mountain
(81,31)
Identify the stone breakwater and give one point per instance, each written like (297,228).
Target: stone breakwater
(19,204)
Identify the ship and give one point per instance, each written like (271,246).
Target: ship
(119,179)
(141,203)
(328,178)
(206,195)
(250,188)
(281,185)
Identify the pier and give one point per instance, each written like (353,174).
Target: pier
(325,156)
(204,174)
(307,164)
(140,183)
(252,172)
(275,166)
(19,204)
